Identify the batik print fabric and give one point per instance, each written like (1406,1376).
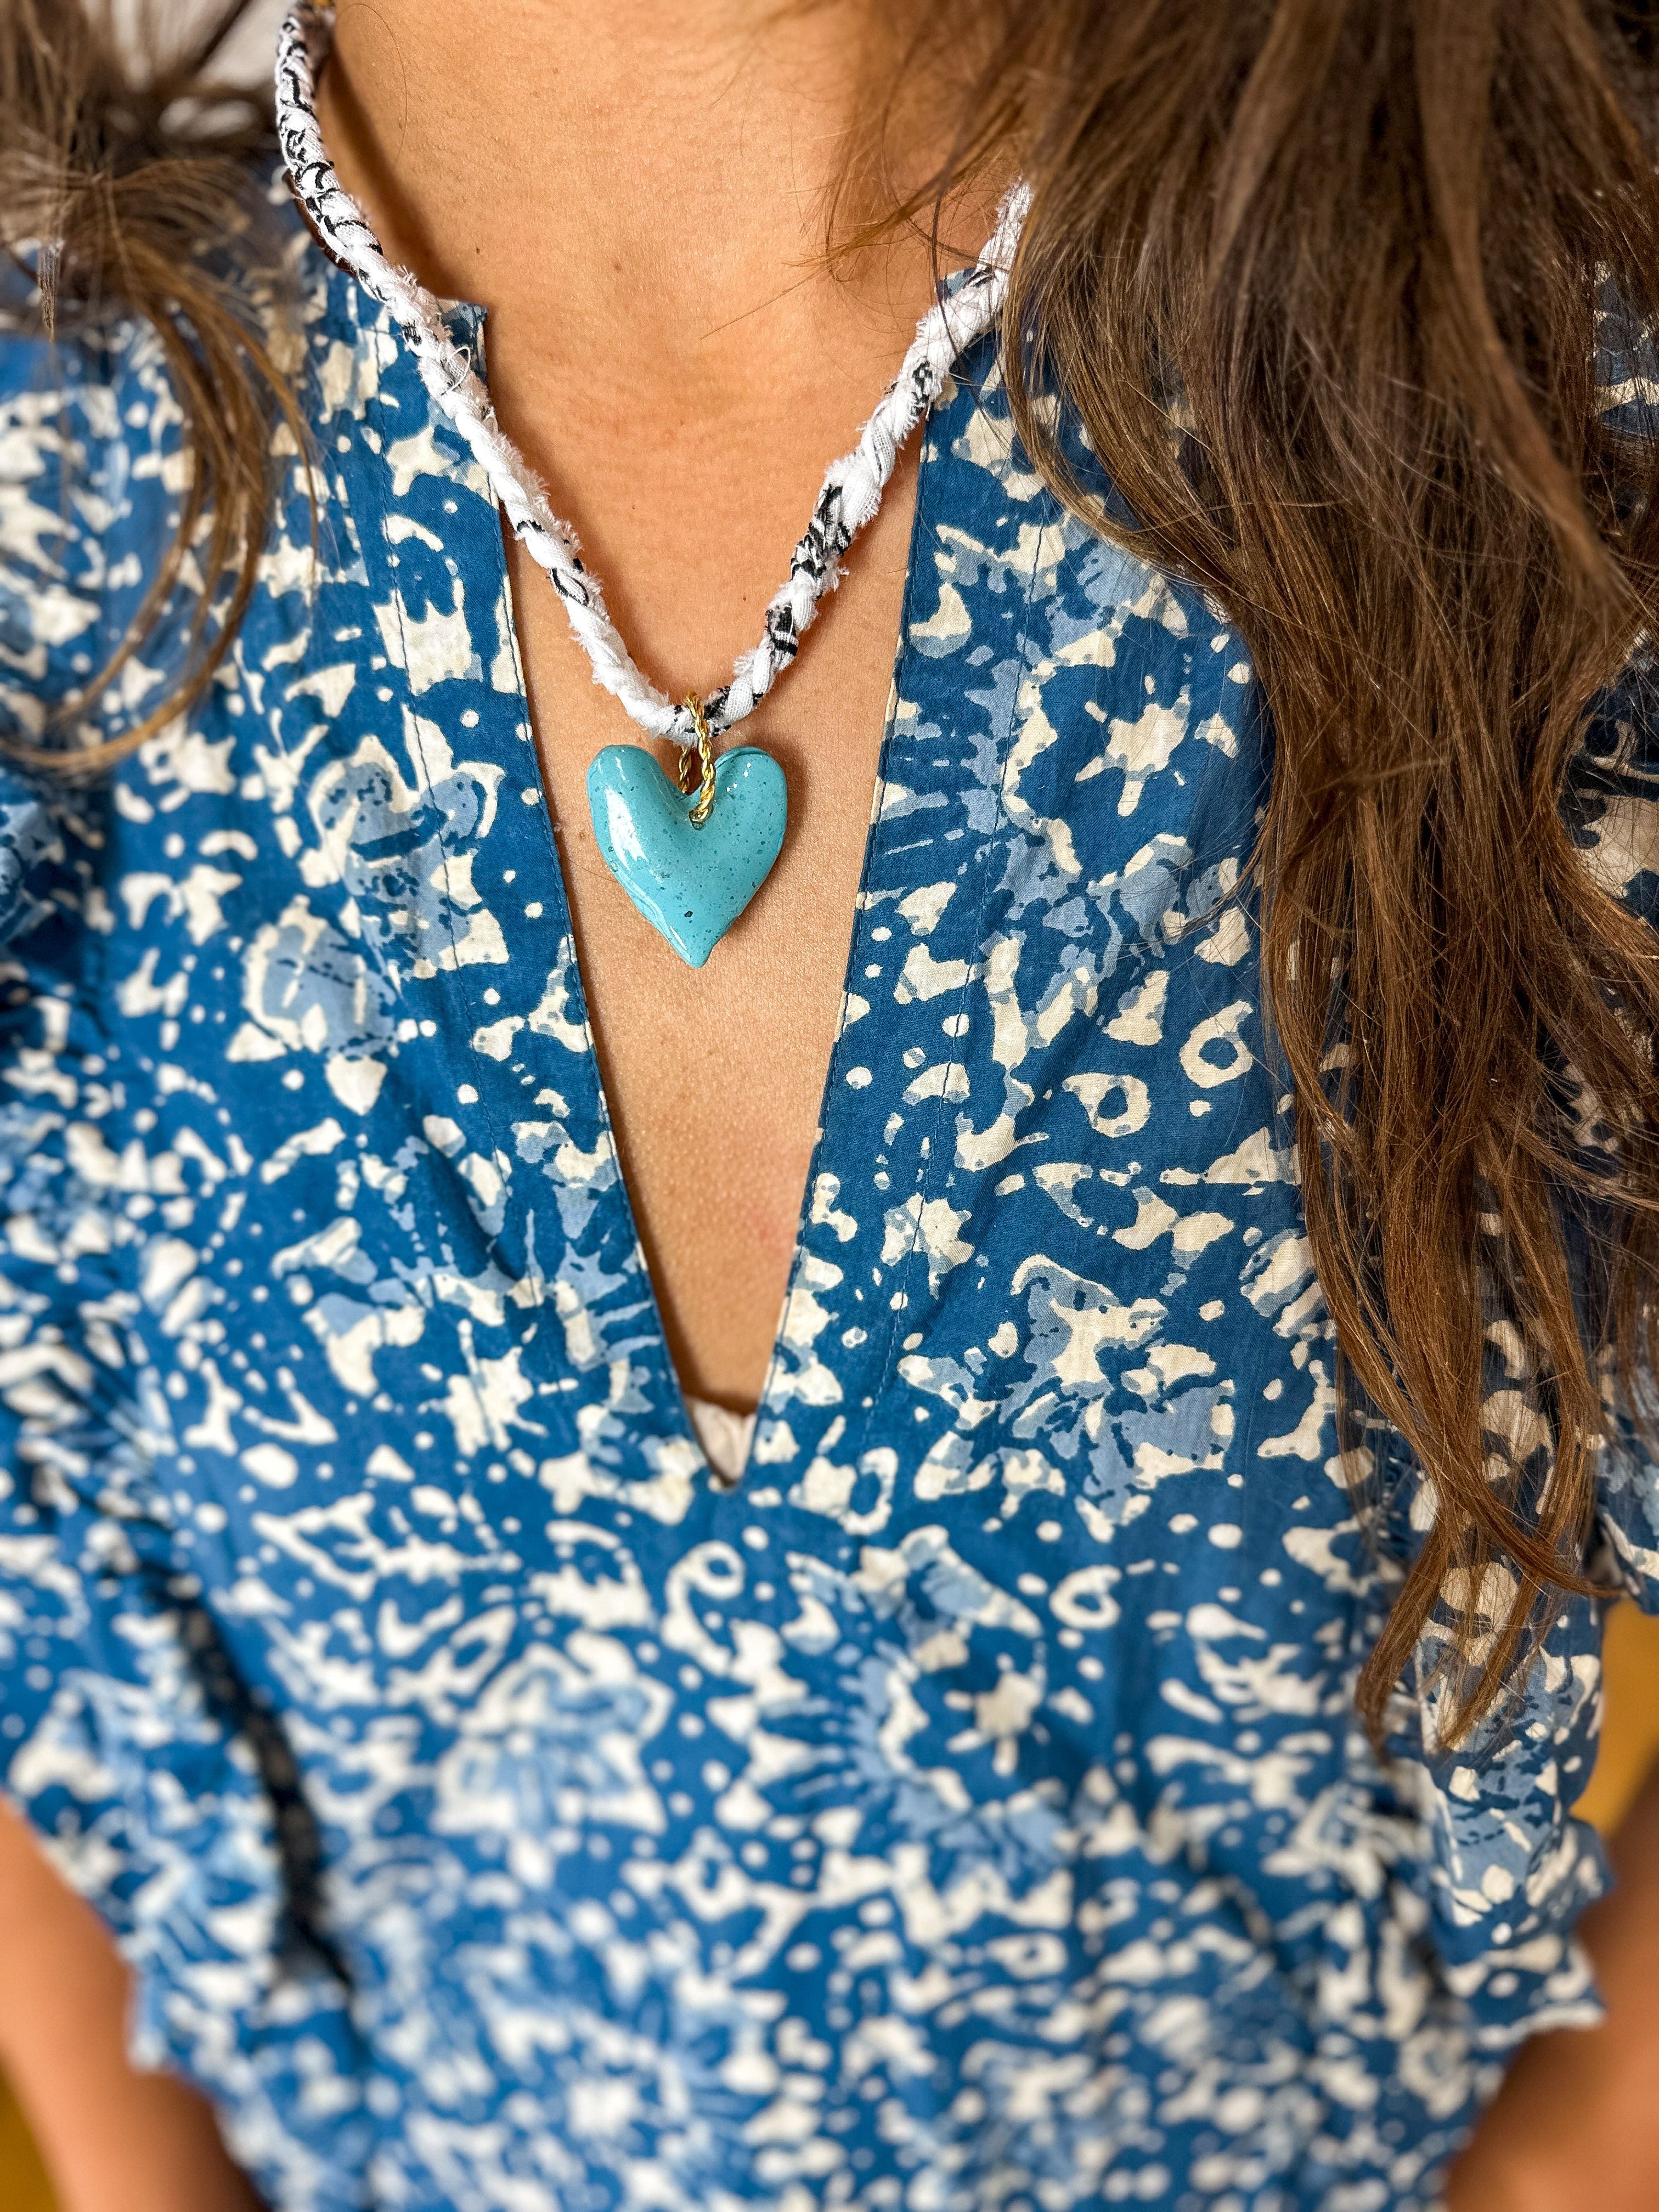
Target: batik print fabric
(966,1809)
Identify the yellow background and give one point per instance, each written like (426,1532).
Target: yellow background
(1630,1744)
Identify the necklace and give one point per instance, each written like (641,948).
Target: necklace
(690,852)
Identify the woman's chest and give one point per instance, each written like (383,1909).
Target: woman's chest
(713,1076)
(1050,1324)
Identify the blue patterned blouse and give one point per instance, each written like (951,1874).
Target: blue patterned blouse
(964,1810)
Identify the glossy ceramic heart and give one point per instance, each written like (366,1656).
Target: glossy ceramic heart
(690,881)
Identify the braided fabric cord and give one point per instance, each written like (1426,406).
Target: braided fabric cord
(852,488)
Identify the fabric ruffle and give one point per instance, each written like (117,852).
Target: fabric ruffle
(158,1791)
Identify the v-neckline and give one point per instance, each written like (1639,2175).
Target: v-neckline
(675,1397)
(665,1442)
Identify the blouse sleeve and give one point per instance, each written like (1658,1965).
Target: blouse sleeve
(157,1787)
(1611,810)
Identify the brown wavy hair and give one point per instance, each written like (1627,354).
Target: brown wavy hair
(127,189)
(1323,280)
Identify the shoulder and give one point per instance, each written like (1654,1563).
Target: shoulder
(94,468)
(59,422)
(85,427)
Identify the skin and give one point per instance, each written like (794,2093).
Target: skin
(113,2140)
(637,191)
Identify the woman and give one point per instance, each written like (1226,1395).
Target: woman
(1109,1736)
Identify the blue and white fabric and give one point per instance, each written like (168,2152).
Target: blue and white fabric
(966,1809)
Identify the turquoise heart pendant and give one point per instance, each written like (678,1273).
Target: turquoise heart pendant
(690,881)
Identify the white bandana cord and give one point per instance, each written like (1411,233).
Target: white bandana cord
(852,488)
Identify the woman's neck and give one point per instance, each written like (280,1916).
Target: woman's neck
(661,168)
